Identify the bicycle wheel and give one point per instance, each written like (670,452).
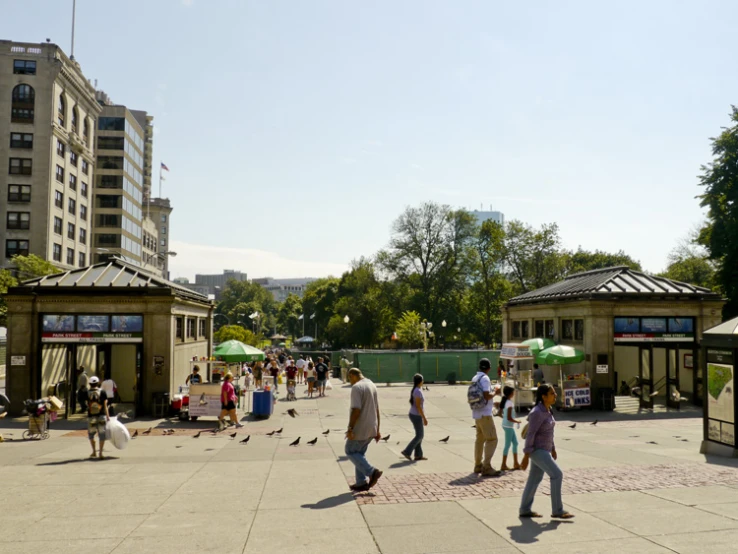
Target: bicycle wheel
(27,435)
(45,435)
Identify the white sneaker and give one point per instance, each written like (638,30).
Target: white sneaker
(238,425)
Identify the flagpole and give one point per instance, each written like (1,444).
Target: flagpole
(160,196)
(74,17)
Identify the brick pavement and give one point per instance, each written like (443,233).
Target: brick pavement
(439,487)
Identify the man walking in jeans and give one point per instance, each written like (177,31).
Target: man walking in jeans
(363,428)
(486,442)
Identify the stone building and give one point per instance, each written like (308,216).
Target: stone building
(48,115)
(114,319)
(637,328)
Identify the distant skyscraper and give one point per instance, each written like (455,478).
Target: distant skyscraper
(481,216)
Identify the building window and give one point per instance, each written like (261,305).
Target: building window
(110,162)
(200,327)
(83,189)
(71,231)
(538,327)
(110,181)
(83,236)
(70,256)
(107,239)
(72,182)
(579,329)
(108,201)
(180,328)
(110,143)
(19,220)
(60,148)
(86,131)
(59,199)
(24,99)
(21,166)
(58,225)
(83,212)
(73,157)
(163,218)
(85,167)
(24,67)
(191,327)
(524,331)
(21,140)
(549,328)
(57,252)
(61,110)
(72,206)
(163,229)
(75,117)
(567,329)
(163,242)
(16,248)
(60,173)
(108,220)
(516,330)
(19,193)
(82,259)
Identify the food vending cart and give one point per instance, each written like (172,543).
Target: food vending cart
(520,375)
(574,391)
(203,399)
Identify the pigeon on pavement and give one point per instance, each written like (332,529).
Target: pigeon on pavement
(594,422)
(385,439)
(279,431)
(313,441)
(246,440)
(198,435)
(295,442)
(292,412)
(233,435)
(326,432)
(135,434)
(445,440)
(573,426)
(148,431)
(271,434)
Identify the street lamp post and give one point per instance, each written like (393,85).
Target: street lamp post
(425,331)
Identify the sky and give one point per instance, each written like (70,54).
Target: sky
(297,131)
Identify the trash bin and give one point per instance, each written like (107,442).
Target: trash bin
(607,400)
(263,404)
(160,404)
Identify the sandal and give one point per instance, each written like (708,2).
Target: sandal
(530,514)
(565,515)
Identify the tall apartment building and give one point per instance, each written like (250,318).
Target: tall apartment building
(118,191)
(48,117)
(160,211)
(481,216)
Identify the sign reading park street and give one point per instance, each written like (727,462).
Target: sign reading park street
(92,337)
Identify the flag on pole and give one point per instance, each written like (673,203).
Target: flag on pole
(164,166)
(301,317)
(312,316)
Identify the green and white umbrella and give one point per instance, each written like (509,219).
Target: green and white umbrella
(537,344)
(236,351)
(560,355)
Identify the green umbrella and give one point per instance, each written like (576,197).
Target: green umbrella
(536,345)
(236,351)
(560,355)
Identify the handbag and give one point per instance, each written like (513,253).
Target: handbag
(524,432)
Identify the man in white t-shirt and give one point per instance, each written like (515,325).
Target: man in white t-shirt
(486,442)
(300,364)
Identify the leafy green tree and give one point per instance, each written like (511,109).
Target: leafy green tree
(534,258)
(235,332)
(240,299)
(689,262)
(585,260)
(720,179)
(6,281)
(319,298)
(489,289)
(31,267)
(428,252)
(288,316)
(408,330)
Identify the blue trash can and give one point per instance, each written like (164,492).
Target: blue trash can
(263,406)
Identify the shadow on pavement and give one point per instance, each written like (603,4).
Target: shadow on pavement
(77,461)
(331,502)
(528,530)
(403,463)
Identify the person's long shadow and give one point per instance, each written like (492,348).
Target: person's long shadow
(331,502)
(403,463)
(529,529)
(77,461)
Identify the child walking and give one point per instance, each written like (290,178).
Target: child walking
(507,409)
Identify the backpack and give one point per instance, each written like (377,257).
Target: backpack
(475,396)
(94,404)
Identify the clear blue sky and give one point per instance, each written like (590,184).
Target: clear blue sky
(297,131)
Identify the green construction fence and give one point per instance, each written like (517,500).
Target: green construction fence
(436,366)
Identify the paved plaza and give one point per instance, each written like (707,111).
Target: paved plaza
(636,483)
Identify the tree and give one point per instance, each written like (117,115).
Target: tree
(6,281)
(288,316)
(428,251)
(689,262)
(584,260)
(408,329)
(319,298)
(489,289)
(720,179)
(534,258)
(240,299)
(235,332)
(31,267)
